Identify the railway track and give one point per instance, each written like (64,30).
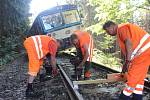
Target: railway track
(13,81)
(84,90)
(72,91)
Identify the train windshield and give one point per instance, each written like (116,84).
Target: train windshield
(71,16)
(56,20)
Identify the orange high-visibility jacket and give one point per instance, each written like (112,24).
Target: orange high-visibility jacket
(40,44)
(139,65)
(85,38)
(38,47)
(135,34)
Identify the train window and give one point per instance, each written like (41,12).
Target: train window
(71,16)
(52,21)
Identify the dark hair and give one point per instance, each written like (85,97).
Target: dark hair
(108,24)
(72,37)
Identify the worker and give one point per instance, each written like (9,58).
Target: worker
(84,45)
(37,48)
(135,46)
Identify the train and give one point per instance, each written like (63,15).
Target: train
(58,22)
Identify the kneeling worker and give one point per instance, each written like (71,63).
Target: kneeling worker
(84,44)
(37,48)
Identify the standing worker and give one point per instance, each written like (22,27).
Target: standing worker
(38,47)
(135,45)
(84,44)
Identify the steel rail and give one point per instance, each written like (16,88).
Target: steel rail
(72,91)
(74,83)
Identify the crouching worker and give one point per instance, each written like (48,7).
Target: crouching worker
(84,45)
(37,48)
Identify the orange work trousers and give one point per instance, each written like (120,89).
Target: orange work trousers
(34,62)
(135,77)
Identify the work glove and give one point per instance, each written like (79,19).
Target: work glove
(125,66)
(54,71)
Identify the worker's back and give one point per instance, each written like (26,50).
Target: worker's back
(41,44)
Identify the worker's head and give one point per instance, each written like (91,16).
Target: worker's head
(74,40)
(110,27)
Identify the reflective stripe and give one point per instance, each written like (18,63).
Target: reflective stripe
(38,50)
(126,93)
(36,46)
(137,92)
(128,90)
(89,50)
(32,73)
(144,48)
(139,86)
(131,89)
(146,80)
(138,89)
(138,50)
(40,46)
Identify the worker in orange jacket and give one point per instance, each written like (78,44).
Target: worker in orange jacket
(84,44)
(135,45)
(37,48)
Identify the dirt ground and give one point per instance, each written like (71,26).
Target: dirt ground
(13,78)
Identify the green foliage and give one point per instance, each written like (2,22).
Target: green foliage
(142,14)
(103,41)
(108,42)
(106,59)
(14,20)
(118,11)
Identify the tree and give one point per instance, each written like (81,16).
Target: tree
(116,10)
(13,20)
(119,11)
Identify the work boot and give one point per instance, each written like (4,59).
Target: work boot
(136,97)
(30,92)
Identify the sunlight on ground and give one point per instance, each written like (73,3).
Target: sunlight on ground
(38,6)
